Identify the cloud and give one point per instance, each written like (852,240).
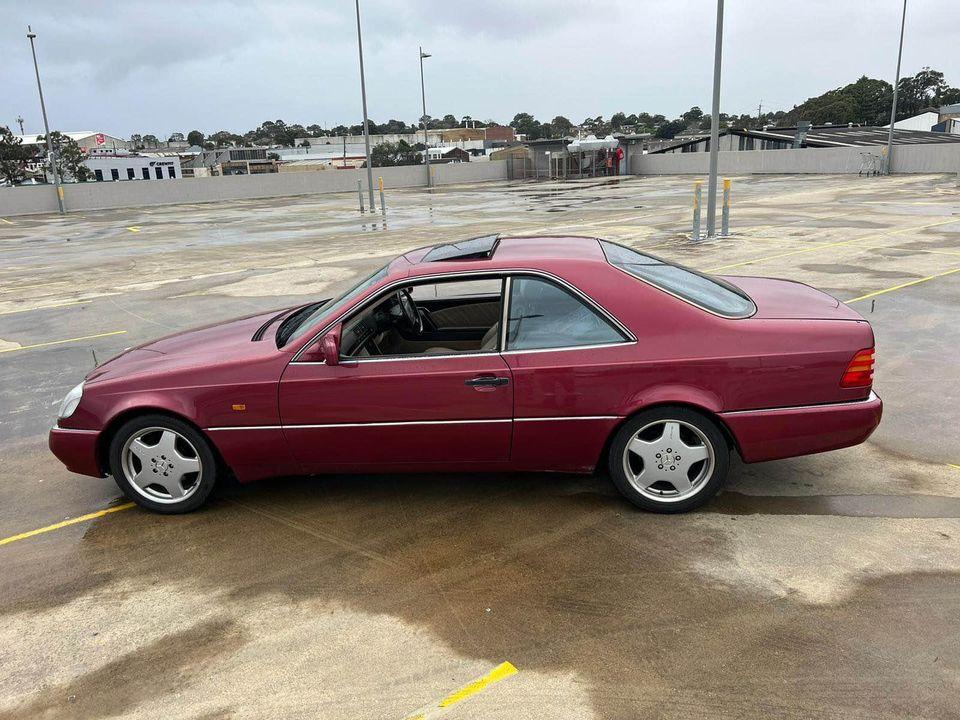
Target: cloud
(151,66)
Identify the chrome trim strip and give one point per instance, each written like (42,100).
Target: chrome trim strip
(569,417)
(505,313)
(416,422)
(569,347)
(453,276)
(870,398)
(370,424)
(57,428)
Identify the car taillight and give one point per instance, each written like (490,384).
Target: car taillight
(860,370)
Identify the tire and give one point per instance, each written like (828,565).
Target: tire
(163,464)
(676,461)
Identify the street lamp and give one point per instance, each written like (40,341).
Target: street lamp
(896,84)
(31,35)
(366,122)
(20,123)
(715,129)
(423,96)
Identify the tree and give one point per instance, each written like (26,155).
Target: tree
(224,138)
(617,121)
(195,137)
(136,141)
(561,126)
(391,154)
(525,124)
(692,116)
(13,157)
(151,141)
(669,130)
(70,157)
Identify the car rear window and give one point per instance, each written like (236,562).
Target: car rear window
(704,291)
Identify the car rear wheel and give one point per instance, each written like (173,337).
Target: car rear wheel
(669,459)
(162,464)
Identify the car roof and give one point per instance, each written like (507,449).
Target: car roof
(503,251)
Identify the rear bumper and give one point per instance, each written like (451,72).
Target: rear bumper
(787,432)
(77,449)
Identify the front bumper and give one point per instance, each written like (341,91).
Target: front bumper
(77,449)
(787,432)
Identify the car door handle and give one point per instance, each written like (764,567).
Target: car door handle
(486,381)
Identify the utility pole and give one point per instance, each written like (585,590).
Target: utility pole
(715,129)
(423,96)
(366,122)
(31,35)
(760,115)
(893,108)
(20,122)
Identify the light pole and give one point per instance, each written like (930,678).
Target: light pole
(43,109)
(366,122)
(715,129)
(893,108)
(20,123)
(423,96)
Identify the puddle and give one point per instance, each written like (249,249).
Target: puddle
(876,506)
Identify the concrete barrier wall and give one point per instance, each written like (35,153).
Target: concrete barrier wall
(930,158)
(104,195)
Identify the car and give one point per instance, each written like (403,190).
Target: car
(556,354)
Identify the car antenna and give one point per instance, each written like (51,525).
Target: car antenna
(96,363)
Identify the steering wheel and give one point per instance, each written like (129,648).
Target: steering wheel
(409,313)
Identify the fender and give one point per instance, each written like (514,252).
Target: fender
(674,394)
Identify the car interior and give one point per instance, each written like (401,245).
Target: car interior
(441,318)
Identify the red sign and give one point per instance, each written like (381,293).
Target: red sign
(101,140)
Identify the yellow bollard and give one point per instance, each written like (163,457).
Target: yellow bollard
(725,221)
(697,190)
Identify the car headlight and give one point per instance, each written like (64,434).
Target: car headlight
(70,402)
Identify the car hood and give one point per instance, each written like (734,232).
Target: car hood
(788,300)
(231,340)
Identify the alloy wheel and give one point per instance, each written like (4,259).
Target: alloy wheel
(161,464)
(668,460)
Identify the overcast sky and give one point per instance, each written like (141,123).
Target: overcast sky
(160,67)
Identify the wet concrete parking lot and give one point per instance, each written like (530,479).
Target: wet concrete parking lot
(822,586)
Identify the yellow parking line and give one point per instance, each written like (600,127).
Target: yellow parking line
(65,523)
(61,342)
(903,285)
(134,228)
(6,221)
(500,672)
(45,307)
(822,246)
(955,467)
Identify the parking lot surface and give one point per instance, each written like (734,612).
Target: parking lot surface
(821,586)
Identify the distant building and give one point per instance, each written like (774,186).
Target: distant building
(86,139)
(109,165)
(234,161)
(825,136)
(440,155)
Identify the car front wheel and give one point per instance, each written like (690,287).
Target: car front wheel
(669,459)
(162,464)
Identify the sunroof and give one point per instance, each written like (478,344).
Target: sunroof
(479,248)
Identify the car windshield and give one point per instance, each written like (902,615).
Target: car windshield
(301,323)
(704,291)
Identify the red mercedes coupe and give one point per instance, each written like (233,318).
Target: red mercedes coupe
(559,354)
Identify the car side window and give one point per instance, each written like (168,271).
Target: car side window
(543,315)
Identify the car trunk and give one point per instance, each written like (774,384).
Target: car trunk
(789,300)
(810,361)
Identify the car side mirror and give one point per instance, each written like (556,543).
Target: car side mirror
(330,348)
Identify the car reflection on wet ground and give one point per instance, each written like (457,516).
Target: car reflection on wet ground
(813,587)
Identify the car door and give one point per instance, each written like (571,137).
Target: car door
(571,366)
(448,410)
